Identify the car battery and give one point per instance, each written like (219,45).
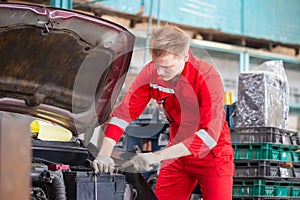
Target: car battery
(87,185)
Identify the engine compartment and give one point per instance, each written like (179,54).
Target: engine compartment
(62,170)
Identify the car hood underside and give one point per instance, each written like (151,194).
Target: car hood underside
(61,65)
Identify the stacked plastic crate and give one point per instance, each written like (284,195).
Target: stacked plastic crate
(267,157)
(267,163)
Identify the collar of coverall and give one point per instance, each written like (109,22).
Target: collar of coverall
(186,70)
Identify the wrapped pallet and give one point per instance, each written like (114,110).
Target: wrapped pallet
(263,97)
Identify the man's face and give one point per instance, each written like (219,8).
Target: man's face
(169,66)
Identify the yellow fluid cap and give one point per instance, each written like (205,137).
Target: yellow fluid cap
(34,126)
(50,132)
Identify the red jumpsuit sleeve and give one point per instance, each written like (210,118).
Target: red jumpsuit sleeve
(211,120)
(132,105)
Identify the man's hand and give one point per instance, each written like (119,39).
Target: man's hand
(103,163)
(146,161)
(143,162)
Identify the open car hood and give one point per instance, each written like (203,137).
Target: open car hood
(61,65)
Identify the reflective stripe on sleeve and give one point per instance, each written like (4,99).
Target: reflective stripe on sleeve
(206,138)
(119,122)
(162,89)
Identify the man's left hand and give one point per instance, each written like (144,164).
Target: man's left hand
(143,162)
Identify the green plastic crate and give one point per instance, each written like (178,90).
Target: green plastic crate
(295,190)
(286,153)
(266,188)
(259,151)
(265,151)
(253,187)
(283,189)
(264,198)
(296,156)
(242,190)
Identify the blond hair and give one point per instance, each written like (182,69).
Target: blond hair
(169,39)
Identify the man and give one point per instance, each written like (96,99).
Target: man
(191,92)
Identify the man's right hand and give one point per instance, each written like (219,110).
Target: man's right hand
(103,163)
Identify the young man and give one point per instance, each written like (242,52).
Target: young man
(191,92)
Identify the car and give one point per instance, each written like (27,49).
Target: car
(65,69)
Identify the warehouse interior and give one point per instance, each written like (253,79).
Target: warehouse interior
(238,38)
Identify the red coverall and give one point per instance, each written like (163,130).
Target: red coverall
(194,108)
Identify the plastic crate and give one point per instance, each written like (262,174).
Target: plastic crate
(264,151)
(295,191)
(292,153)
(264,198)
(283,189)
(296,170)
(260,151)
(264,135)
(295,139)
(275,188)
(296,156)
(286,153)
(262,168)
(286,172)
(253,187)
(256,168)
